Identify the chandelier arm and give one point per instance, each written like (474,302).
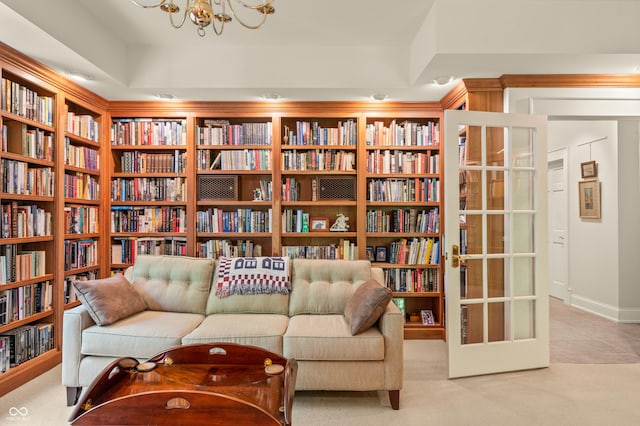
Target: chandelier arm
(184,17)
(149,6)
(251,27)
(255,7)
(215,29)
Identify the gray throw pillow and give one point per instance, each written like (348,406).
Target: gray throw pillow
(366,305)
(109,299)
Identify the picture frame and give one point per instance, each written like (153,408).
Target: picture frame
(427,317)
(370,255)
(589,196)
(588,169)
(381,254)
(319,224)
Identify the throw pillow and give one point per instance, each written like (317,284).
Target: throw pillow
(110,299)
(252,275)
(366,305)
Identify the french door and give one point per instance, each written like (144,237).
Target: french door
(495,242)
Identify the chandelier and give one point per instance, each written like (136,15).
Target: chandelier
(214,12)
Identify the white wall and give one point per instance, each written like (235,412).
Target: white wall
(603,254)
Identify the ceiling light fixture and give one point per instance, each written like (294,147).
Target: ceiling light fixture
(202,13)
(165,96)
(79,76)
(379,96)
(443,79)
(271,96)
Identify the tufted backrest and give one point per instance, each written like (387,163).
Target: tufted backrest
(173,283)
(324,286)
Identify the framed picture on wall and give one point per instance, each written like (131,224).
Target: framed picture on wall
(589,194)
(588,169)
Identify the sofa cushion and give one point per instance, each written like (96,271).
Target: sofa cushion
(329,338)
(324,286)
(109,299)
(262,330)
(173,283)
(366,305)
(141,335)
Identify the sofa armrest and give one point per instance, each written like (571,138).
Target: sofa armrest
(75,320)
(391,325)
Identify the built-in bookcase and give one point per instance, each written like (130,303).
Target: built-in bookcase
(81,186)
(148,188)
(27,247)
(235,190)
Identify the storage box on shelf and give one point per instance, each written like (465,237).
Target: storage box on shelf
(403,229)
(234,165)
(27,259)
(148,188)
(319,187)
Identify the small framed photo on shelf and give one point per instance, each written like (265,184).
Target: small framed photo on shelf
(319,224)
(588,169)
(370,255)
(427,317)
(381,254)
(589,193)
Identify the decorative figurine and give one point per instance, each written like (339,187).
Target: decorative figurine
(341,224)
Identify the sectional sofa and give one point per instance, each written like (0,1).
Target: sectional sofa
(335,319)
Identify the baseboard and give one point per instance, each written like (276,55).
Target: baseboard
(609,312)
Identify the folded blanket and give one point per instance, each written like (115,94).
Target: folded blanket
(252,275)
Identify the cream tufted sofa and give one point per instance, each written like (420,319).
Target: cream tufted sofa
(308,324)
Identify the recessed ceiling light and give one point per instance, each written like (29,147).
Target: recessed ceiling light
(271,96)
(166,96)
(379,96)
(79,76)
(443,79)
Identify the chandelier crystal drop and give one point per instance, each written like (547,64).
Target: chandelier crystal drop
(213,12)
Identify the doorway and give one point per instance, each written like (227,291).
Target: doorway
(557,192)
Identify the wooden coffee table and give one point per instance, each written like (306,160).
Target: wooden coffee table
(213,384)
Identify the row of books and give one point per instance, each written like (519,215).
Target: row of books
(19,177)
(81,219)
(221,132)
(416,251)
(158,246)
(403,220)
(344,250)
(246,159)
(402,162)
(240,220)
(412,280)
(21,265)
(20,100)
(149,189)
(22,302)
(80,254)
(83,125)
(81,186)
(124,250)
(143,162)
(213,249)
(81,156)
(290,189)
(18,138)
(25,221)
(319,160)
(399,190)
(148,219)
(312,133)
(407,133)
(25,342)
(69,293)
(147,131)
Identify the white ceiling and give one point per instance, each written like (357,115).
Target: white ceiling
(326,49)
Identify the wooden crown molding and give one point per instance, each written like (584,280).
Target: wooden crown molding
(570,80)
